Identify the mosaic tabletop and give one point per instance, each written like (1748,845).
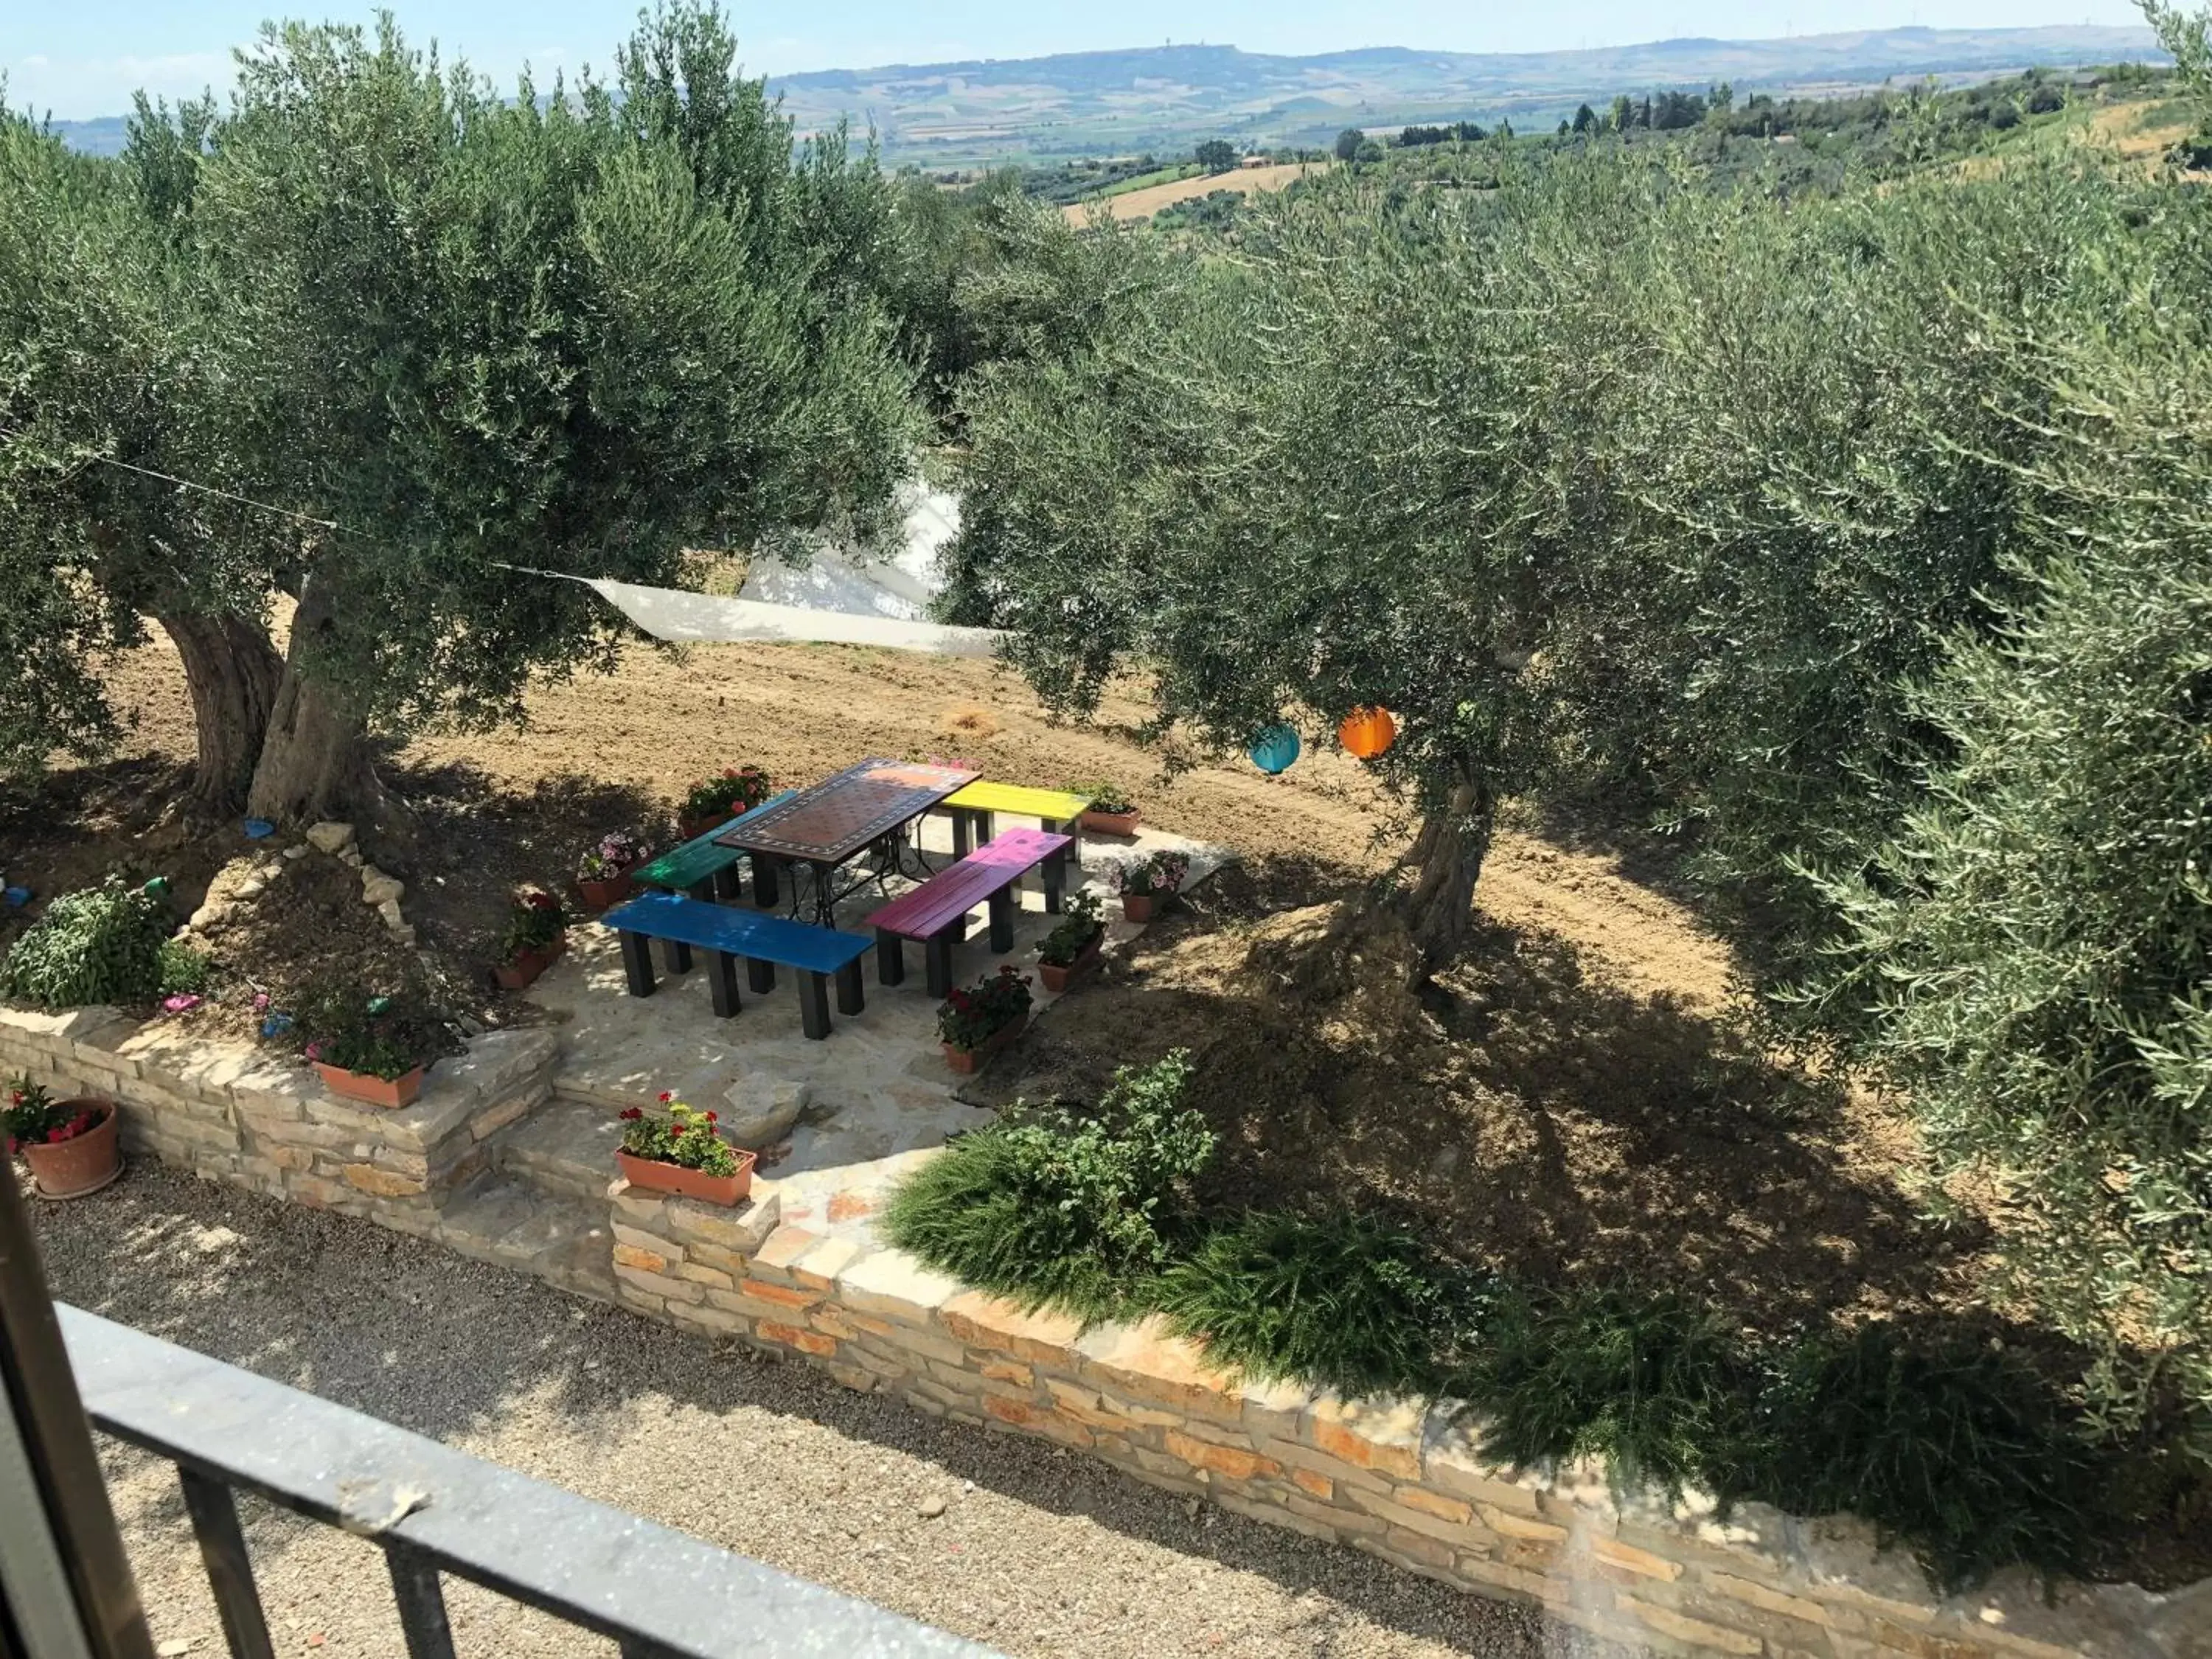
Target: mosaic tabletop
(841,815)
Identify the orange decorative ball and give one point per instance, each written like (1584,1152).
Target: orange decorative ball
(1367,733)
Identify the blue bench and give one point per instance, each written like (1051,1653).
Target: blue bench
(728,934)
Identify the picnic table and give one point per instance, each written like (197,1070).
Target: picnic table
(825,828)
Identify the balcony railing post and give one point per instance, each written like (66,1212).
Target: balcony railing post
(229,1568)
(422,1603)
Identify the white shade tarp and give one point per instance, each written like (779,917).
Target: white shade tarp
(836,598)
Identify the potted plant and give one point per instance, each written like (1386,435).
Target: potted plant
(1144,884)
(69,1143)
(536,933)
(603,876)
(682,1153)
(975,1023)
(1071,948)
(714,801)
(370,1049)
(1112,812)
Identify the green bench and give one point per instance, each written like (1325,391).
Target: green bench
(705,869)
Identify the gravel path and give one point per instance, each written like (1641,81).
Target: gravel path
(1039,1552)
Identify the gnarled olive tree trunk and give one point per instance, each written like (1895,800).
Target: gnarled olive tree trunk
(1446,859)
(232,673)
(313,764)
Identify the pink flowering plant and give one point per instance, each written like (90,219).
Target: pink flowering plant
(611,854)
(1156,876)
(35,1118)
(968,1017)
(678,1134)
(534,920)
(738,790)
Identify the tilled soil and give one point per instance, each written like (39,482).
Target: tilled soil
(1037,1552)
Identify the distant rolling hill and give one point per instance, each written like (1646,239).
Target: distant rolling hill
(1164,98)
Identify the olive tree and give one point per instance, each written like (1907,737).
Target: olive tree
(1340,475)
(446,333)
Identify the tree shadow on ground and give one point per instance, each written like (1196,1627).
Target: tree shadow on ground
(1528,1114)
(463,1353)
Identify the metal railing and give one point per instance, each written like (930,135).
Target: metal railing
(66,1588)
(433,1511)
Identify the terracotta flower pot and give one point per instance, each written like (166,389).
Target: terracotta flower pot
(526,965)
(969,1061)
(1058,979)
(83,1163)
(694,828)
(371,1090)
(660,1177)
(1140,906)
(607,891)
(1112,823)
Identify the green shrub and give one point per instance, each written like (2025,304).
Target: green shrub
(97,944)
(1951,1446)
(185,971)
(1053,1209)
(1649,1382)
(386,1035)
(1344,1301)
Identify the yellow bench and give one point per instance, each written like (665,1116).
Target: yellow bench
(1056,811)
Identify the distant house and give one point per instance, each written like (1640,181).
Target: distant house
(1253,162)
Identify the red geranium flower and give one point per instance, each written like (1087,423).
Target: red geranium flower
(665,1096)
(634,1113)
(712,1118)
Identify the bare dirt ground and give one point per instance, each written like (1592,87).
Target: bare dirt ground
(1144,204)
(1581,1097)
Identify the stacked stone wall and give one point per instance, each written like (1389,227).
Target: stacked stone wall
(240,1115)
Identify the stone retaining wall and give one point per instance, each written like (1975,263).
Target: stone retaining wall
(1403,1480)
(260,1120)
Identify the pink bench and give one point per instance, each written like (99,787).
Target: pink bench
(936,912)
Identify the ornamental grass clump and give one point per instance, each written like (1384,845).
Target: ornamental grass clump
(97,944)
(1345,1301)
(686,1136)
(1053,1209)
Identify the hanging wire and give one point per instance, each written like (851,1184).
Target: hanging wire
(204,489)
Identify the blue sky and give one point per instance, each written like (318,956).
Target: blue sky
(75,58)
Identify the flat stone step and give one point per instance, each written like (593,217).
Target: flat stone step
(565,1148)
(510,1223)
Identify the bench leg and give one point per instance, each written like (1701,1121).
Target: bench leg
(984,830)
(677,954)
(759,976)
(722,982)
(851,999)
(724,886)
(702,889)
(937,958)
(1002,920)
(814,1006)
(959,832)
(1055,871)
(637,963)
(890,959)
(765,892)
